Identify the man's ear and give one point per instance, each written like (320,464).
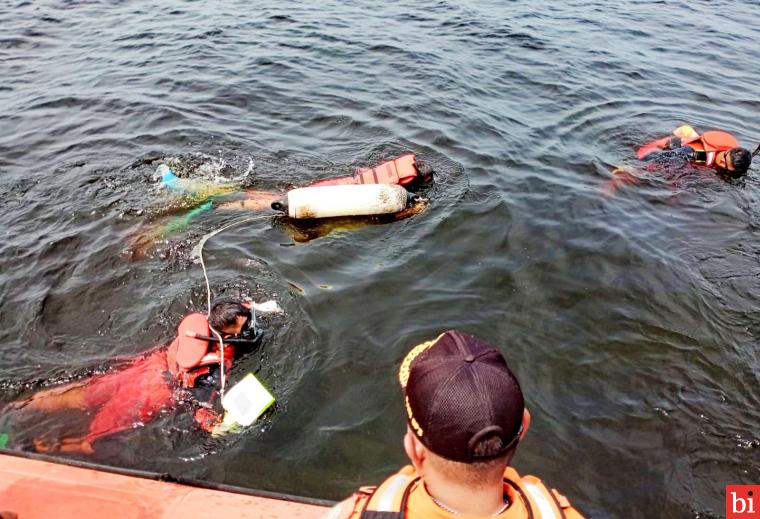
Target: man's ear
(525,423)
(415,451)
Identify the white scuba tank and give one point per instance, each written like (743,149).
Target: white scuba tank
(344,200)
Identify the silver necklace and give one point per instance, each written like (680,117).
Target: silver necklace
(454,512)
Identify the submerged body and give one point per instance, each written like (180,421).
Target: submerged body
(404,170)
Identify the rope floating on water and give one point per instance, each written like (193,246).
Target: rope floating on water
(197,252)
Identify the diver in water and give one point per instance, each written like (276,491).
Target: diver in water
(717,150)
(714,149)
(155,381)
(405,170)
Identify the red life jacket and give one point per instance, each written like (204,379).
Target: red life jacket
(401,170)
(189,357)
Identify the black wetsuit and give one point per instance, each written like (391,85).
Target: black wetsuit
(676,155)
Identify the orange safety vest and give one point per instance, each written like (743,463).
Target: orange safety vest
(401,170)
(706,145)
(709,144)
(389,500)
(189,358)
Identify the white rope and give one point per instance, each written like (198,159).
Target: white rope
(198,251)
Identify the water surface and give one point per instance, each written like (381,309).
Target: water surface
(631,320)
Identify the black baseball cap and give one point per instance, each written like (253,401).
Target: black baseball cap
(457,391)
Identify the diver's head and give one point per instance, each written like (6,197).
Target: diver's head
(425,170)
(735,161)
(229,317)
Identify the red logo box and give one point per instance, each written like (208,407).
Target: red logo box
(743,502)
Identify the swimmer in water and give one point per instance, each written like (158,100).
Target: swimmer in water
(153,382)
(716,150)
(405,170)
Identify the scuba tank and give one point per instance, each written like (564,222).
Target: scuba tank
(344,200)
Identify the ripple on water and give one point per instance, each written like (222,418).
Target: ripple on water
(630,319)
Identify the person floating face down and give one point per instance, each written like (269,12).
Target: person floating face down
(713,149)
(465,417)
(151,382)
(404,170)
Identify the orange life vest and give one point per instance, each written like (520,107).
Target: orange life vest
(389,500)
(401,170)
(709,144)
(706,145)
(189,358)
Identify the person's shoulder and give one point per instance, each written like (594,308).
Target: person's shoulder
(537,490)
(351,508)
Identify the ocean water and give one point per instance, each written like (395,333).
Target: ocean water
(631,319)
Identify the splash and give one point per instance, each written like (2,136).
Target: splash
(196,183)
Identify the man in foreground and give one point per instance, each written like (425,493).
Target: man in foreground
(465,418)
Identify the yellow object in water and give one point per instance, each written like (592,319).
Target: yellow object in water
(685,132)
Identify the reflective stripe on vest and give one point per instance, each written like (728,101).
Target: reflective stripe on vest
(710,158)
(386,496)
(388,501)
(541,498)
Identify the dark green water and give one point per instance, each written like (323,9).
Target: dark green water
(631,320)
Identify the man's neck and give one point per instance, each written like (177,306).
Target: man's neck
(479,501)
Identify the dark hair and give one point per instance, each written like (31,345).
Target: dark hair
(424,169)
(741,159)
(225,313)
